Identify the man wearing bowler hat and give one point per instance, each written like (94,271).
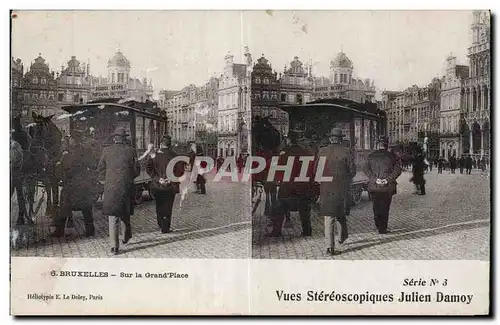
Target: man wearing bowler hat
(382,168)
(340,168)
(118,167)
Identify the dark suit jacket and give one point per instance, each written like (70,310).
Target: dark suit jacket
(156,166)
(382,164)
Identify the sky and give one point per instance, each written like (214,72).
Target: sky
(176,48)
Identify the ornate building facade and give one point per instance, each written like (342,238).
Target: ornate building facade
(451,100)
(16,79)
(413,115)
(476,92)
(234,107)
(180,109)
(265,94)
(119,83)
(342,83)
(206,117)
(37,92)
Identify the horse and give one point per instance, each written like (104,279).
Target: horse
(20,155)
(45,153)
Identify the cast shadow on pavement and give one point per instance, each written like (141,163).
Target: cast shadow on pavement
(411,235)
(187,236)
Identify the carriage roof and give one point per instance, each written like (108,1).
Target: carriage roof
(113,104)
(335,105)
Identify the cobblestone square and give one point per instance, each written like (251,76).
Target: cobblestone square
(451,222)
(215,225)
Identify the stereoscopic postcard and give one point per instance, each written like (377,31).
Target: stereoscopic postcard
(250,162)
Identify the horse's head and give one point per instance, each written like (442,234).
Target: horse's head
(41,127)
(265,135)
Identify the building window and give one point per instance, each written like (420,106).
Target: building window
(266,81)
(60,97)
(283,97)
(35,80)
(43,81)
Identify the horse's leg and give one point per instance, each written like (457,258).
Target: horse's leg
(48,191)
(30,196)
(21,202)
(54,187)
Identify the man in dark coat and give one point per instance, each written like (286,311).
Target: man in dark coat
(164,194)
(78,171)
(382,168)
(461,164)
(453,164)
(197,168)
(118,167)
(468,164)
(340,167)
(19,135)
(294,195)
(418,170)
(440,165)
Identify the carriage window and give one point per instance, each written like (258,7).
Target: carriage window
(367,135)
(139,133)
(357,133)
(148,131)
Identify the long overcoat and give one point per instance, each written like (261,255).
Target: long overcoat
(79,180)
(118,167)
(340,166)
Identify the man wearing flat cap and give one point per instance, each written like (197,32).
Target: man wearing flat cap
(340,168)
(118,167)
(382,168)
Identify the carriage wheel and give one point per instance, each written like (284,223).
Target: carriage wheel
(150,194)
(138,196)
(356,195)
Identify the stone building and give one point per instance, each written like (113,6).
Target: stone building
(180,110)
(206,117)
(413,115)
(265,92)
(451,100)
(119,83)
(476,93)
(16,79)
(342,83)
(234,107)
(37,92)
(392,104)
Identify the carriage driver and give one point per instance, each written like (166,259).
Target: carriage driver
(78,192)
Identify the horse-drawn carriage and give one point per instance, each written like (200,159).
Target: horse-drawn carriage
(143,121)
(361,123)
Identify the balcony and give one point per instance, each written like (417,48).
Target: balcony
(446,135)
(228,132)
(478,48)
